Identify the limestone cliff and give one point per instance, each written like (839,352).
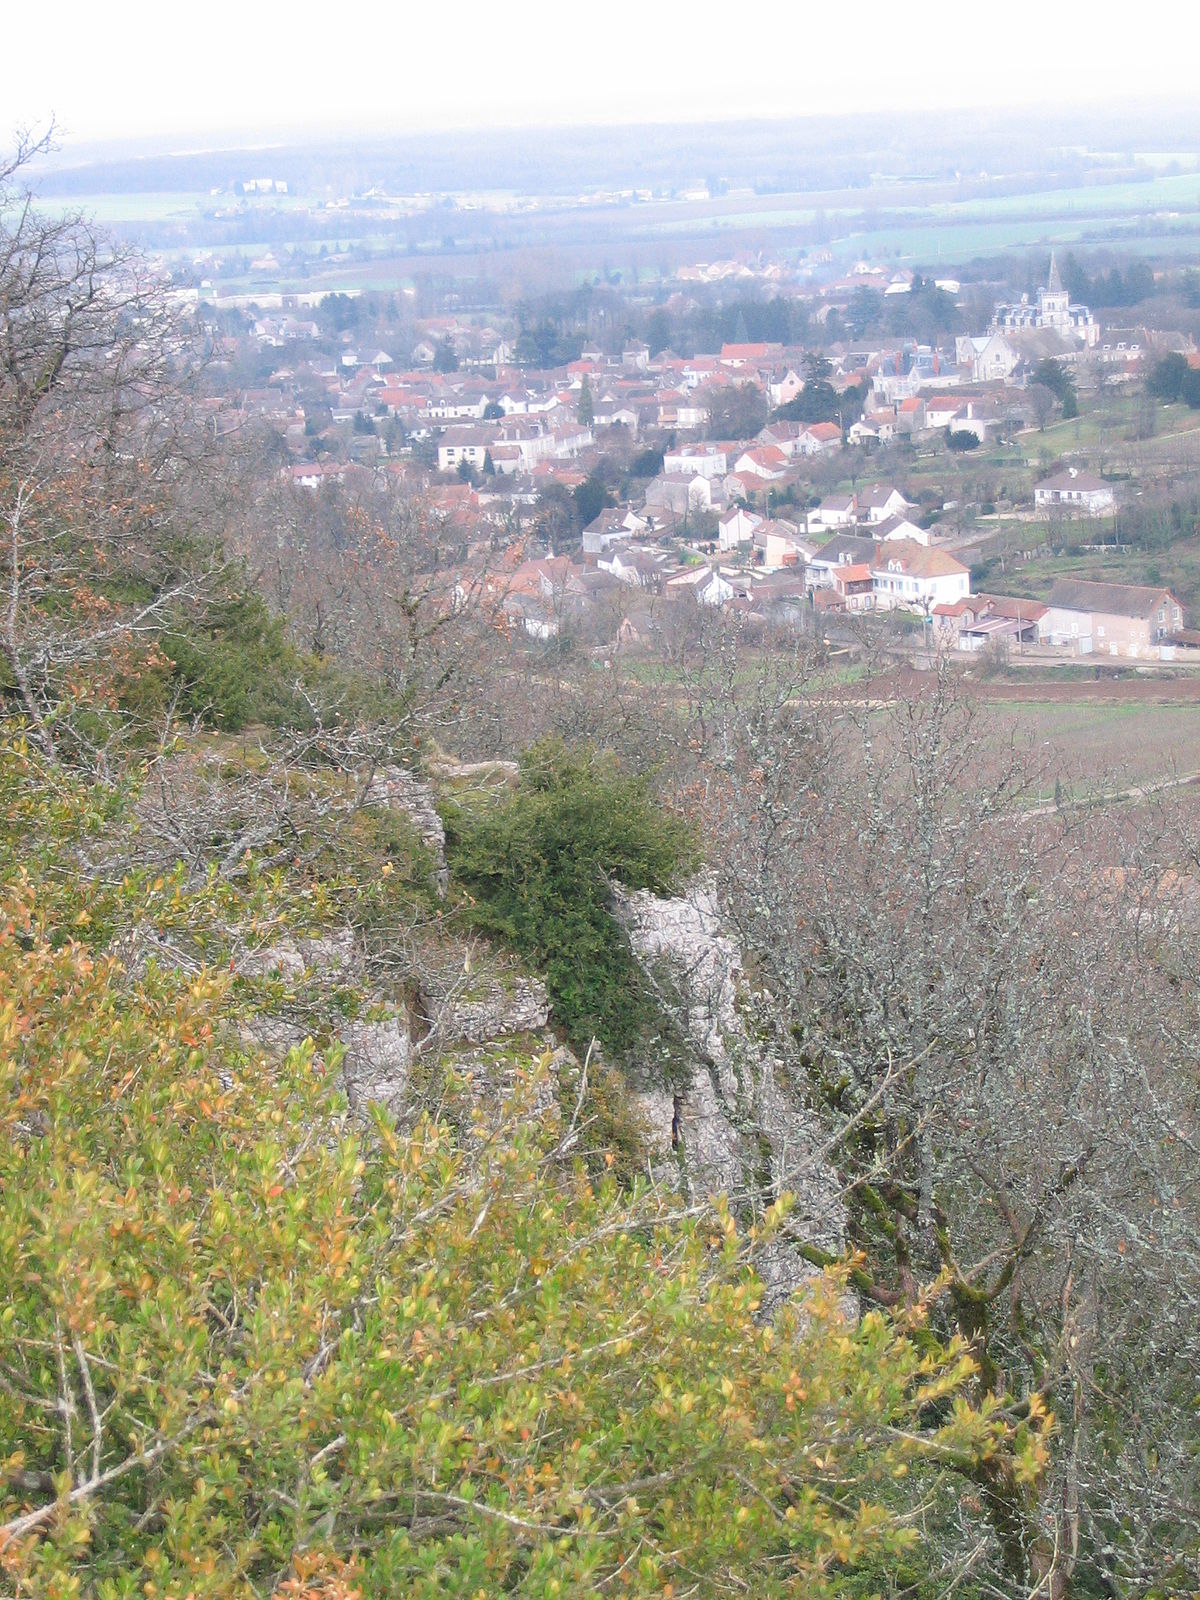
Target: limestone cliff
(735,1128)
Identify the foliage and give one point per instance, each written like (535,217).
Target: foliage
(248,1347)
(1116,287)
(585,409)
(960,439)
(1056,377)
(230,664)
(925,312)
(108,523)
(647,463)
(590,497)
(735,411)
(819,401)
(932,981)
(1173,379)
(540,866)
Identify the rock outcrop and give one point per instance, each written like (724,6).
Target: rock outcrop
(378,1061)
(734,1128)
(398,789)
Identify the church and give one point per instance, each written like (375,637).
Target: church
(1053,310)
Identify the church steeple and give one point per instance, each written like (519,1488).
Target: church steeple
(1055,284)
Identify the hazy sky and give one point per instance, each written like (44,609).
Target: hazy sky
(187,74)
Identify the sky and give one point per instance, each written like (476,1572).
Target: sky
(185,77)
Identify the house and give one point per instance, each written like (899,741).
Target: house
(941,409)
(974,622)
(779,544)
(881,501)
(901,528)
(991,357)
(786,390)
(312,474)
(854,585)
(706,585)
(749,355)
(612,526)
(910,415)
(531,614)
(457,445)
(913,577)
(736,527)
(842,549)
(817,438)
(642,568)
(878,428)
(1073,490)
(783,435)
(681,492)
(709,460)
(835,511)
(1119,619)
(765,461)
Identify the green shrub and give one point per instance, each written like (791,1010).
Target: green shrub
(539,867)
(232,664)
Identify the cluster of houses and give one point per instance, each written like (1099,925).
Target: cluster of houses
(729,522)
(854,573)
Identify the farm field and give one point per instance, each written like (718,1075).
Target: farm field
(1104,744)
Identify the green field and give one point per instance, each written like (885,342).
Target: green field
(1102,746)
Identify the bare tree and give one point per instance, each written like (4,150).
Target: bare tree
(97,542)
(992,999)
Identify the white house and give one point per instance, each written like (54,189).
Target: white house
(780,545)
(817,438)
(765,461)
(990,356)
(706,585)
(736,527)
(835,511)
(881,501)
(786,390)
(706,459)
(912,577)
(471,445)
(1073,490)
(901,528)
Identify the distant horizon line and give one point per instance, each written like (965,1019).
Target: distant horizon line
(82,149)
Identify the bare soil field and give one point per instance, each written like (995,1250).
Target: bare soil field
(1096,735)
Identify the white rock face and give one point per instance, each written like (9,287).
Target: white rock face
(377,1062)
(487,1009)
(734,1129)
(292,958)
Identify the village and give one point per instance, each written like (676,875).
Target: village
(764,478)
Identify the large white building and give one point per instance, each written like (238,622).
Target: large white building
(1053,310)
(912,577)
